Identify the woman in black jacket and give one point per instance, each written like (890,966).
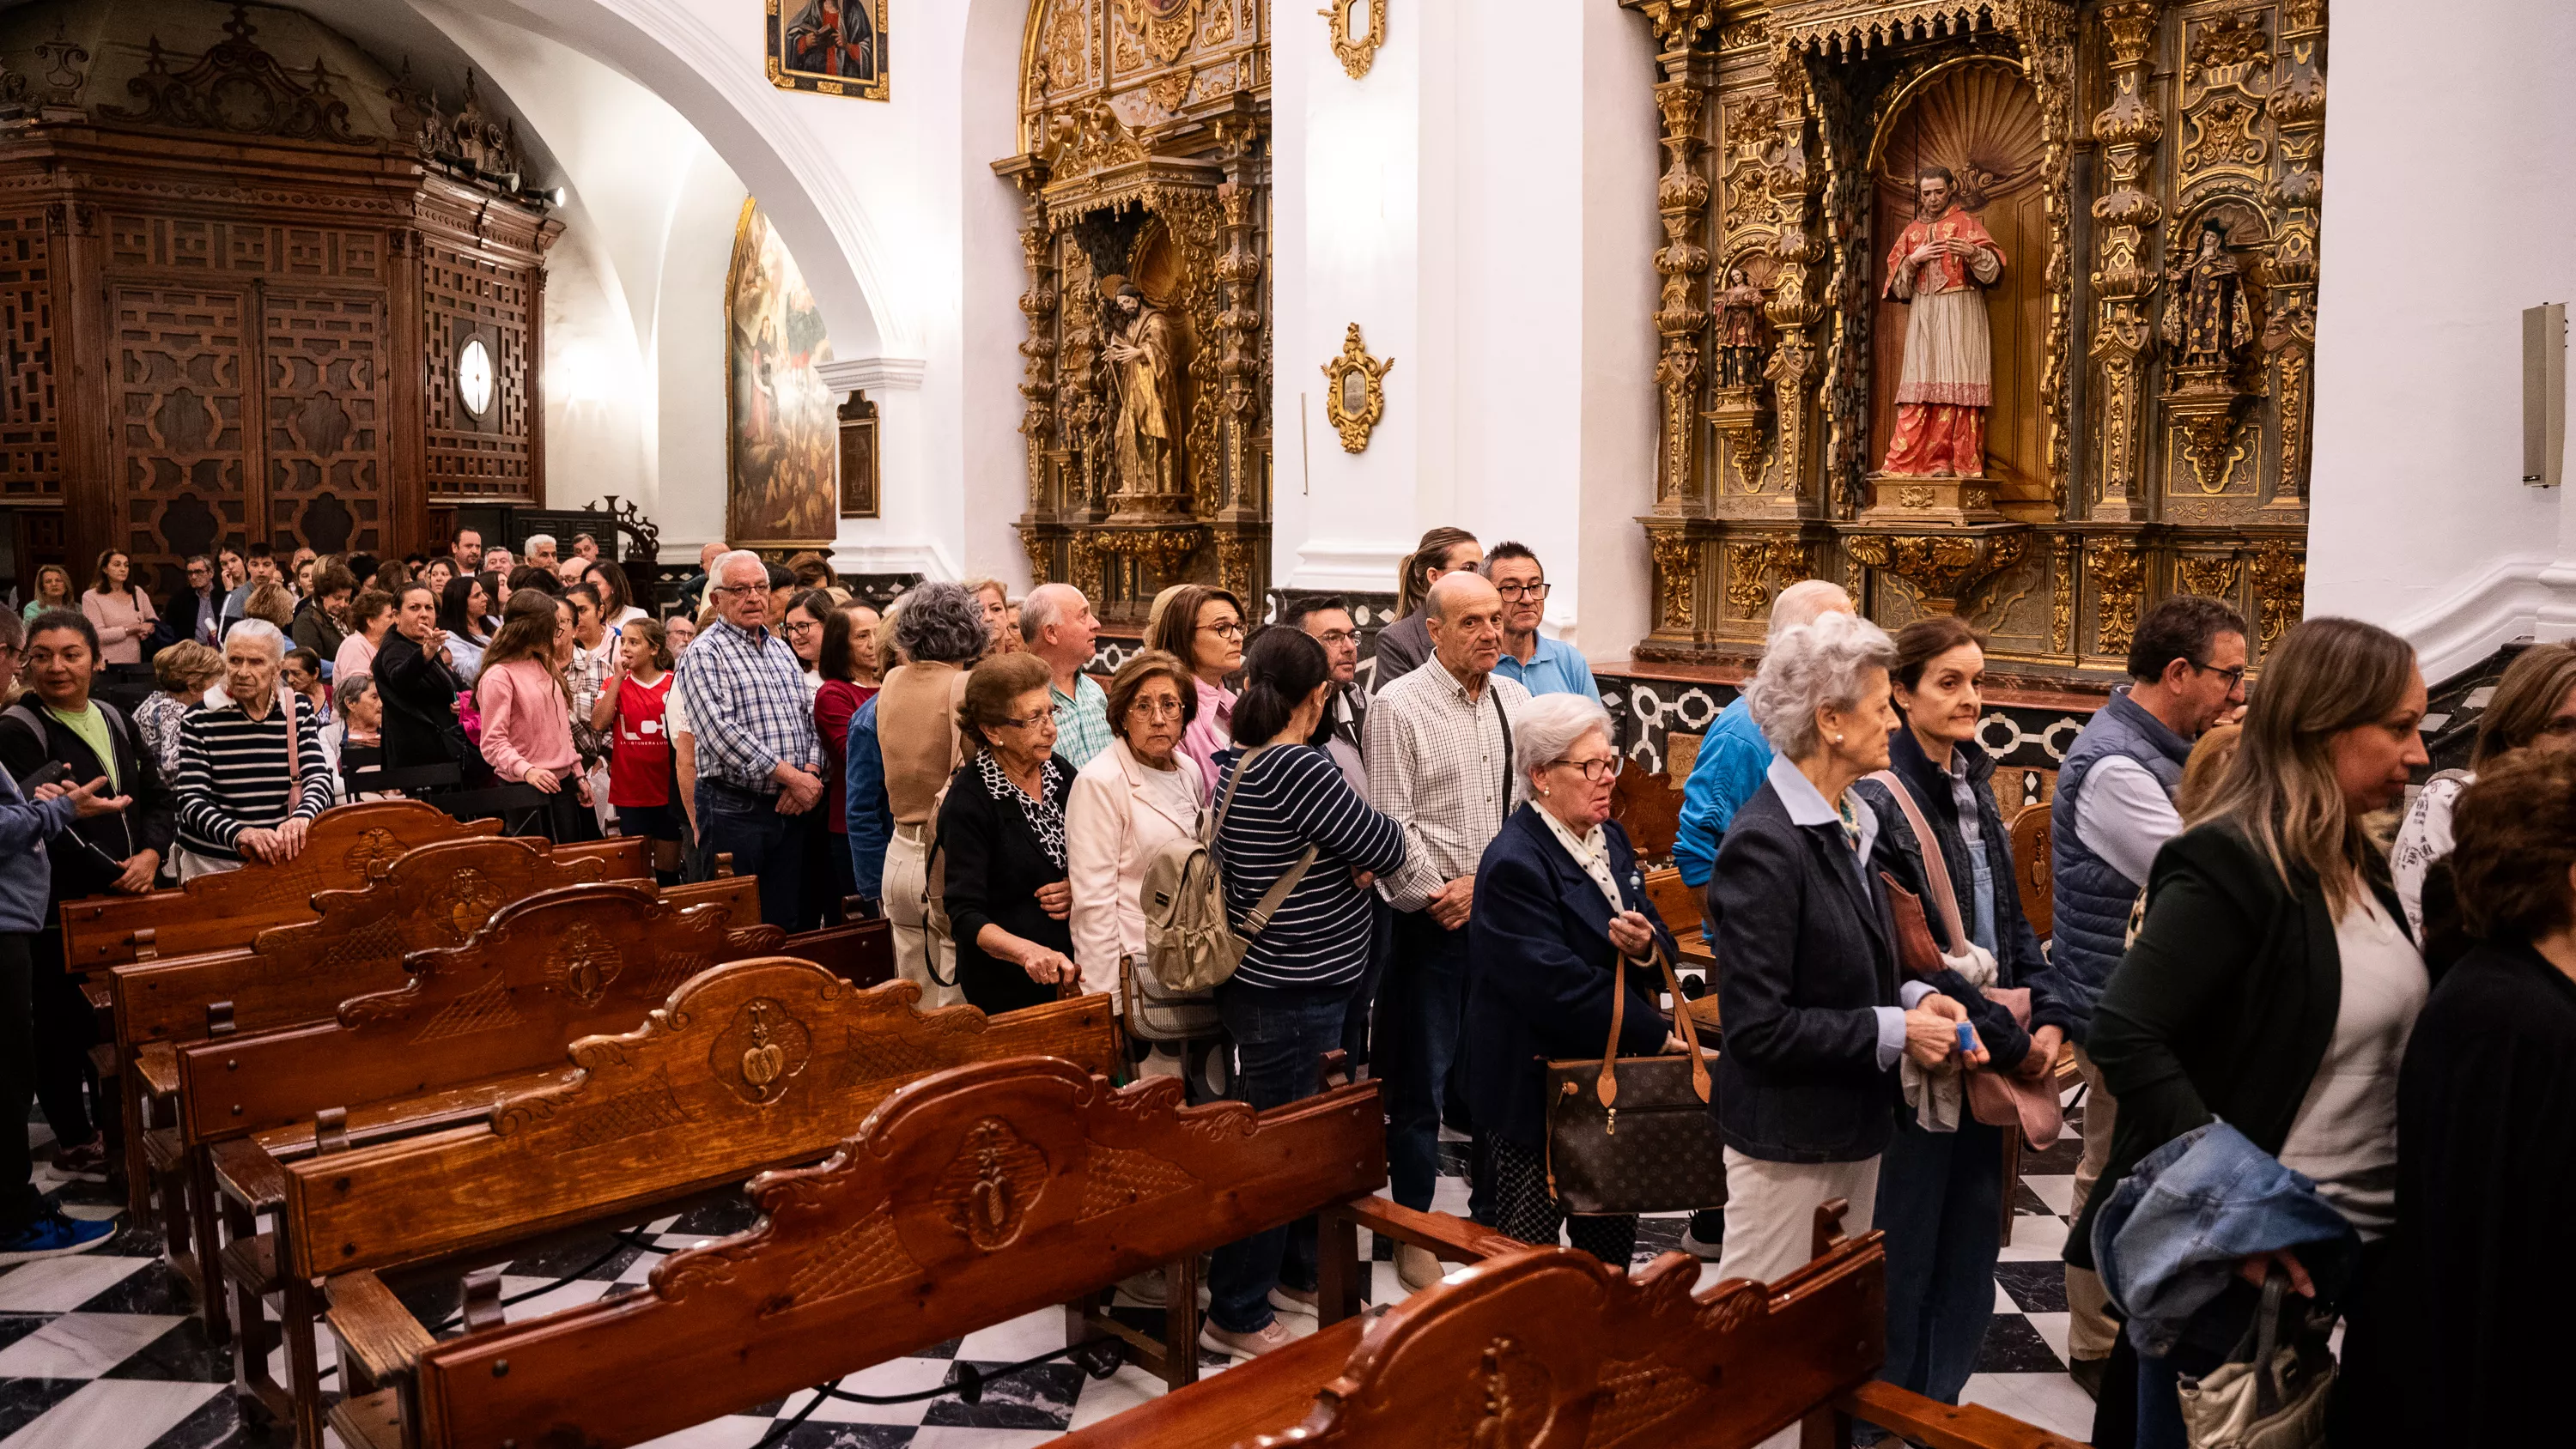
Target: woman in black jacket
(418,687)
(2273,984)
(1940,1188)
(1001,840)
(1561,923)
(1815,1018)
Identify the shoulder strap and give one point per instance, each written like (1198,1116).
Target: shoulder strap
(1936,870)
(1495,692)
(1263,909)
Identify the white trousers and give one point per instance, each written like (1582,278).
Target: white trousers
(918,933)
(1771,1221)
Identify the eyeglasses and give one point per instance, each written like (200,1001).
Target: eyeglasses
(1156,708)
(799,626)
(1605,768)
(2234,677)
(1030,723)
(741,589)
(1534,593)
(1335,637)
(1223,631)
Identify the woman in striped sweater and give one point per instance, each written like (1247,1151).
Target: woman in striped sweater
(245,791)
(1284,1007)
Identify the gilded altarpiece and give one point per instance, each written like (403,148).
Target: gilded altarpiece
(1144,173)
(2146,176)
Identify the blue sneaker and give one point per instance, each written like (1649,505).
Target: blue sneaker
(53,1235)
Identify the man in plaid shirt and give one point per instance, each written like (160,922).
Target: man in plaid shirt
(759,760)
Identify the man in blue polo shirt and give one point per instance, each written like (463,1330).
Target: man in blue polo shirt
(1733,754)
(1530,659)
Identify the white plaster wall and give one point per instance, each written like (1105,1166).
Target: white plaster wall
(703,206)
(2448,208)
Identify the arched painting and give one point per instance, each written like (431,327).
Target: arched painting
(1980,120)
(782,438)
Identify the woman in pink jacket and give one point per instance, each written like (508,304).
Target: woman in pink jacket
(527,711)
(122,613)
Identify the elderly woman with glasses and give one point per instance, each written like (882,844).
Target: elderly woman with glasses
(1134,798)
(1001,832)
(1561,924)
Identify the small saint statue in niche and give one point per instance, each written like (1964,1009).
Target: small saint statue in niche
(1739,332)
(1939,266)
(1142,384)
(2207,321)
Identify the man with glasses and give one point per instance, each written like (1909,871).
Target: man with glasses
(1326,619)
(758,756)
(196,612)
(1440,763)
(1535,662)
(2114,810)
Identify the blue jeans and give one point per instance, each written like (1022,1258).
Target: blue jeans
(1940,1200)
(764,844)
(1426,1008)
(1280,1037)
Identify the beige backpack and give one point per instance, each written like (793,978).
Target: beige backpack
(1191,944)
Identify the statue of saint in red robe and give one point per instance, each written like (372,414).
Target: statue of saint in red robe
(1939,266)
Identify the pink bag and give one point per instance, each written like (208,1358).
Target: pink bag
(470,717)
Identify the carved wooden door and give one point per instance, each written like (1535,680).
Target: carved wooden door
(182,451)
(325,404)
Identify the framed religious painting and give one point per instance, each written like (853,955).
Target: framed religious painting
(835,47)
(859,457)
(782,429)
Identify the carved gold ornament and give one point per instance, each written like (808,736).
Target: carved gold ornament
(1356,399)
(1356,50)
(1167,26)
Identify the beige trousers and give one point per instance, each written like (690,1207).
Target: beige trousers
(2089,1329)
(916,934)
(1771,1221)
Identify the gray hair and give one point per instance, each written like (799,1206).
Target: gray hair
(349,691)
(725,560)
(1811,666)
(1806,601)
(532,540)
(1046,604)
(1548,726)
(261,630)
(941,623)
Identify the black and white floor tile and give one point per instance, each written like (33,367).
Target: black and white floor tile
(98,1351)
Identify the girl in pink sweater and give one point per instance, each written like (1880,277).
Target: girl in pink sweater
(525,704)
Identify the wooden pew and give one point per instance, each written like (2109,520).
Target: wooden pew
(217,911)
(473,1024)
(1547,1347)
(968,1198)
(435,895)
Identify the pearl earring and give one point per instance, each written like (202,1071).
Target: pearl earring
(1838,739)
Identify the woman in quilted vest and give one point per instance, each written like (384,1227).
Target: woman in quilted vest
(1940,1182)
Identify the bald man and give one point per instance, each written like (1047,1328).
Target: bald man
(1057,625)
(1440,764)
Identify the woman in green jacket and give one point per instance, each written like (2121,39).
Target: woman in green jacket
(2273,983)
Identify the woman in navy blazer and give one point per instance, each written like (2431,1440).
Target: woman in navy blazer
(1548,947)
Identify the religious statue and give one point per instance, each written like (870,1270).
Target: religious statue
(1141,384)
(1938,264)
(833,37)
(1739,332)
(2207,322)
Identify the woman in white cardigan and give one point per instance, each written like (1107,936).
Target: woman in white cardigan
(1134,797)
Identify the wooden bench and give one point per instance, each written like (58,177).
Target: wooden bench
(967,1199)
(1546,1348)
(301,972)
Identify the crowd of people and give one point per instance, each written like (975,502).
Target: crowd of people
(2245,972)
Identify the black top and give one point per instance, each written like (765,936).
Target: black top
(30,736)
(2224,1005)
(1810,956)
(2018,960)
(1540,938)
(313,628)
(2486,1160)
(1293,798)
(419,695)
(994,866)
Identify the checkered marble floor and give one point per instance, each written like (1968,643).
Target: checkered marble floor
(98,1351)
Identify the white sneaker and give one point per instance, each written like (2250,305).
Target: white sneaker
(1273,1334)
(1295,1300)
(1416,1268)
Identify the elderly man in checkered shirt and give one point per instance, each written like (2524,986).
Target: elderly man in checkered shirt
(759,758)
(1439,760)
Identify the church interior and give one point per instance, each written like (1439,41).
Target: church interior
(2029,313)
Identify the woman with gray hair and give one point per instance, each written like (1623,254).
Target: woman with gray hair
(940,632)
(1561,923)
(1815,1021)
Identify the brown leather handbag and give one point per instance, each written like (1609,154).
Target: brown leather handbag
(1634,1134)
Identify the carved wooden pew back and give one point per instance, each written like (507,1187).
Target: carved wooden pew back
(968,1198)
(754,1064)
